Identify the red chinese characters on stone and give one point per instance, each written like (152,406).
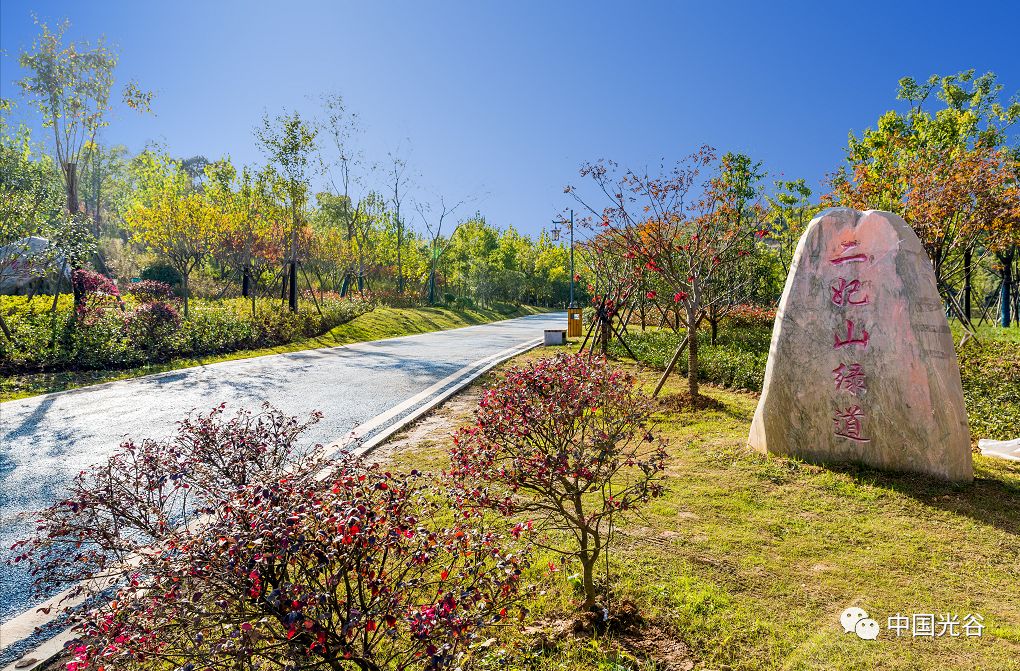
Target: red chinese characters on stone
(843,293)
(851,339)
(848,424)
(850,378)
(846,257)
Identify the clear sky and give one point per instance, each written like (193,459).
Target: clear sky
(502,101)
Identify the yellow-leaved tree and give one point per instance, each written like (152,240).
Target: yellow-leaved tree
(169,217)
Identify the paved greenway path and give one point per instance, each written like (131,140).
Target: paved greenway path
(46,440)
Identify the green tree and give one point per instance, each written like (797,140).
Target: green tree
(934,168)
(30,198)
(288,142)
(251,238)
(70,86)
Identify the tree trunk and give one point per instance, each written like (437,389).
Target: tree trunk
(71,178)
(246,282)
(588,560)
(692,358)
(400,264)
(669,368)
(187,291)
(1004,291)
(292,294)
(714,323)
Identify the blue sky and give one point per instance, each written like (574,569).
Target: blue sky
(502,101)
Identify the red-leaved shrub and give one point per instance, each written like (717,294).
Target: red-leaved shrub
(96,292)
(151,291)
(231,548)
(151,326)
(566,442)
(747,315)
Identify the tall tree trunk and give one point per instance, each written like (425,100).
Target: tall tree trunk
(293,286)
(71,181)
(1004,291)
(400,263)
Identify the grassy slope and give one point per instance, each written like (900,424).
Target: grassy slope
(749,560)
(383,322)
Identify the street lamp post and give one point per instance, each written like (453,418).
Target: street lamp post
(556,236)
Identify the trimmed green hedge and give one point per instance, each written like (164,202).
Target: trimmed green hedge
(991,388)
(110,339)
(737,360)
(990,372)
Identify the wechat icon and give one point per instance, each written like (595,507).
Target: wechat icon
(856,620)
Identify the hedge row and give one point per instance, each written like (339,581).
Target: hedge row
(141,333)
(990,374)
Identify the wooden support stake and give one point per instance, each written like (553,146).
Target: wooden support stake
(672,364)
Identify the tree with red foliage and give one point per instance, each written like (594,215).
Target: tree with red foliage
(688,240)
(613,280)
(227,547)
(565,440)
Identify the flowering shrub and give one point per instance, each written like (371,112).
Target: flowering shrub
(151,291)
(564,439)
(228,543)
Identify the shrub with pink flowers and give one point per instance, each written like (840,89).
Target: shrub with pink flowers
(564,442)
(232,547)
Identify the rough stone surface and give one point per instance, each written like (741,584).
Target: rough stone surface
(862,367)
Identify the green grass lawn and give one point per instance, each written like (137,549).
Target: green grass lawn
(382,322)
(748,561)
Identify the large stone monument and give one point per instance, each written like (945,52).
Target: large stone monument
(862,366)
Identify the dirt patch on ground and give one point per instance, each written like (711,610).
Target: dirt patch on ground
(434,429)
(625,633)
(683,401)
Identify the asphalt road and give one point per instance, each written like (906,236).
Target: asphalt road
(46,440)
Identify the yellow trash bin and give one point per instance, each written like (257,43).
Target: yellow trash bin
(573,322)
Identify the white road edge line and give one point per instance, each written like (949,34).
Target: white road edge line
(27,622)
